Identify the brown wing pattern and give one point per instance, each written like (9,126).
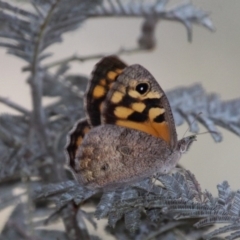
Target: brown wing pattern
(137,101)
(75,139)
(104,75)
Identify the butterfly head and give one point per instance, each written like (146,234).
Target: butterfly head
(185,143)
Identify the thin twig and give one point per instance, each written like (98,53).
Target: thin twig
(39,118)
(19,229)
(37,9)
(165,228)
(76,230)
(13,105)
(121,51)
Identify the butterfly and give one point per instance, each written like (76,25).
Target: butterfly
(129,131)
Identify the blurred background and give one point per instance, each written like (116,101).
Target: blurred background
(212,59)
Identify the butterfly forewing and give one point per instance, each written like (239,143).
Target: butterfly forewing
(103,77)
(137,101)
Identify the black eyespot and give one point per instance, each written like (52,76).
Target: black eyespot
(142,88)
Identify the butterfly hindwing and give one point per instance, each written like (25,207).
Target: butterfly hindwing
(103,77)
(75,139)
(137,101)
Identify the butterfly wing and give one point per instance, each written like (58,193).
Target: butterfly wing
(105,73)
(103,77)
(137,101)
(75,138)
(113,156)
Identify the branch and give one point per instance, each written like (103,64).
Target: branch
(76,230)
(15,106)
(22,233)
(39,118)
(188,102)
(186,14)
(121,51)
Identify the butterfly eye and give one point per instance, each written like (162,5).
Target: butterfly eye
(142,88)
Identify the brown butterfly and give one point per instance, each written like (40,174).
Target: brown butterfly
(129,132)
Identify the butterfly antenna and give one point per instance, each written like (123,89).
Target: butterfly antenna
(193,121)
(211,132)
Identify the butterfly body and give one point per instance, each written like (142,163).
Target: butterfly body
(129,133)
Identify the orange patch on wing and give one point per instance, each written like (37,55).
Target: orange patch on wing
(79,141)
(160,130)
(85,130)
(154,112)
(144,127)
(133,94)
(138,106)
(123,112)
(150,95)
(118,70)
(112,75)
(117,97)
(99,91)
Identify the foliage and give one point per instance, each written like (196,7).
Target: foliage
(32,143)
